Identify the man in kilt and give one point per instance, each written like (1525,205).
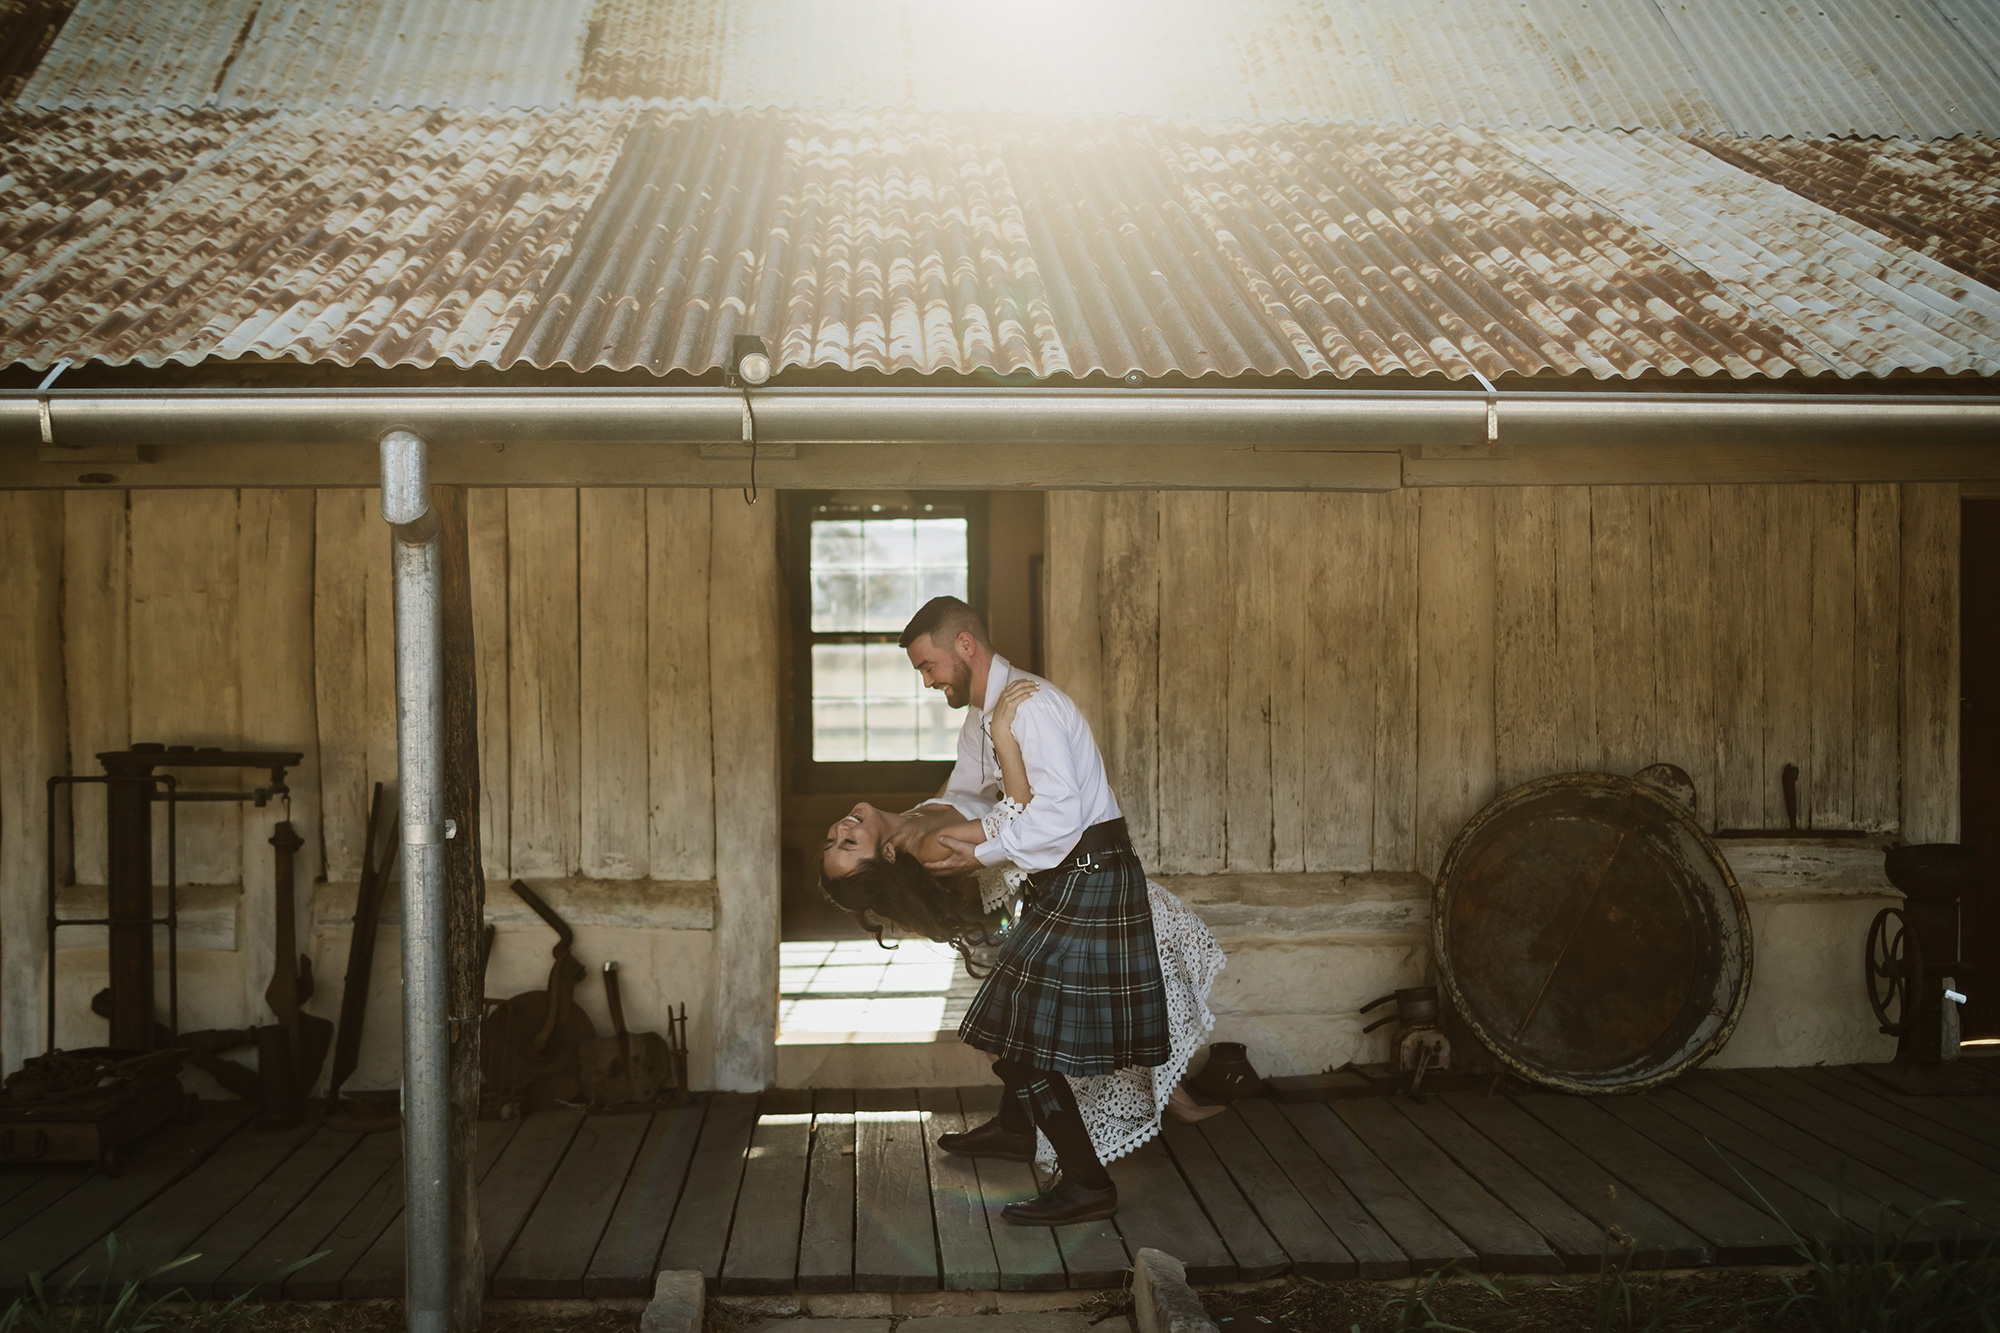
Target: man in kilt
(1076,989)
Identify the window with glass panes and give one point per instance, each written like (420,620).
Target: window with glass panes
(870,565)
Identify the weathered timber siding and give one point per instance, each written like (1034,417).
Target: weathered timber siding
(264,618)
(1336,682)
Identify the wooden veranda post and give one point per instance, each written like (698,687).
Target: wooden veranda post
(465,880)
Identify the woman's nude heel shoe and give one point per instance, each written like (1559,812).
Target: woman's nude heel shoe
(1186,1108)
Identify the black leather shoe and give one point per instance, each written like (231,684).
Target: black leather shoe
(991,1139)
(1065,1203)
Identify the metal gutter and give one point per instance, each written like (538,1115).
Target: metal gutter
(1307,419)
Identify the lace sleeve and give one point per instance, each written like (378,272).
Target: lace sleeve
(998,890)
(1002,814)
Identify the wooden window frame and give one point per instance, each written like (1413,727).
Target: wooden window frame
(862,776)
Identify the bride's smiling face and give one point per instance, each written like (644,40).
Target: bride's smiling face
(859,835)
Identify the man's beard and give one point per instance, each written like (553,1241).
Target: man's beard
(958,688)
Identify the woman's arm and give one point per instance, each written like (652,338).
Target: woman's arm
(1006,748)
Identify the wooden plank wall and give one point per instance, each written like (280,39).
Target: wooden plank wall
(1337,681)
(265,618)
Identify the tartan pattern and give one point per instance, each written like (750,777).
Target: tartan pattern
(1077,988)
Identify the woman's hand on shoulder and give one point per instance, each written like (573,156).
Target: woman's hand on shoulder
(1017,693)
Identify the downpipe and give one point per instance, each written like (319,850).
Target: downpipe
(417,552)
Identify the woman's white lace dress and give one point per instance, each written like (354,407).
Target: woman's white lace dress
(1123,1110)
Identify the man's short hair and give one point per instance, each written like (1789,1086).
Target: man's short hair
(942,620)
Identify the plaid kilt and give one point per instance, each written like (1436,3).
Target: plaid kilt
(1076,988)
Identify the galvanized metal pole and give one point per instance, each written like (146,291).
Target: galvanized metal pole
(420,774)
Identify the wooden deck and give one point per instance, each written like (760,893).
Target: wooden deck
(840,1191)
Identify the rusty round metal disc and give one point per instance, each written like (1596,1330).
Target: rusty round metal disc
(1591,933)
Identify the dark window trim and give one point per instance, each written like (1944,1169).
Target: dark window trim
(863,776)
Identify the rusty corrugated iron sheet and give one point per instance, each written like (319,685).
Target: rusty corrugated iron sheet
(1940,198)
(645,238)
(1607,64)
(960,243)
(1866,67)
(1924,68)
(248,54)
(27,29)
(1858,300)
(402,238)
(866,244)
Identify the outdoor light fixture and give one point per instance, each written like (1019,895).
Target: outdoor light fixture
(749,360)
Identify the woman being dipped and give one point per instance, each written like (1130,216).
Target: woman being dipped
(873,867)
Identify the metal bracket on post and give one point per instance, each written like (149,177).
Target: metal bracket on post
(418,554)
(1488,448)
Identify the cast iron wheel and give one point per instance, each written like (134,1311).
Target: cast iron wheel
(1895,963)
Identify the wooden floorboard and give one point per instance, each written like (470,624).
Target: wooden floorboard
(1094,1255)
(1577,1240)
(47,1190)
(1256,1252)
(260,1211)
(378,1273)
(1945,1121)
(763,1254)
(624,1261)
(1410,1222)
(1657,1240)
(1864,1138)
(1763,1177)
(1895,1129)
(1859,1189)
(330,1217)
(835,1191)
(163,1230)
(826,1237)
(1502,1242)
(965,1242)
(17,1179)
(1305,1238)
(75,1223)
(1376,1255)
(895,1241)
(1740,1233)
(1029,1258)
(699,1233)
(1157,1210)
(556,1243)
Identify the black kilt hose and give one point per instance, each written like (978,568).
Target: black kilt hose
(1076,988)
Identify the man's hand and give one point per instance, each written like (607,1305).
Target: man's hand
(961,861)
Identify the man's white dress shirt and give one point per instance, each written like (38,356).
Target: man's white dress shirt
(1064,769)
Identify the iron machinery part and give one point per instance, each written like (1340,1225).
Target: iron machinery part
(1591,935)
(1894,960)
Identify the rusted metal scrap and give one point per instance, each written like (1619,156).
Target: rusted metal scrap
(1591,934)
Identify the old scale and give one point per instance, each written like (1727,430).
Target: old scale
(90,1104)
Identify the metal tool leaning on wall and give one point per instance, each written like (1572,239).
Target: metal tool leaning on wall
(539,1050)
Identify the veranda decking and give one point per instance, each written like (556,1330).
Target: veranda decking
(838,1191)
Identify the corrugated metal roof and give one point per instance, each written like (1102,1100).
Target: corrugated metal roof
(396,237)
(482,54)
(1926,68)
(169,53)
(1940,198)
(409,53)
(866,245)
(1610,64)
(1870,67)
(1857,299)
(646,238)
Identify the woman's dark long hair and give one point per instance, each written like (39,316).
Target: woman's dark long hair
(881,893)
